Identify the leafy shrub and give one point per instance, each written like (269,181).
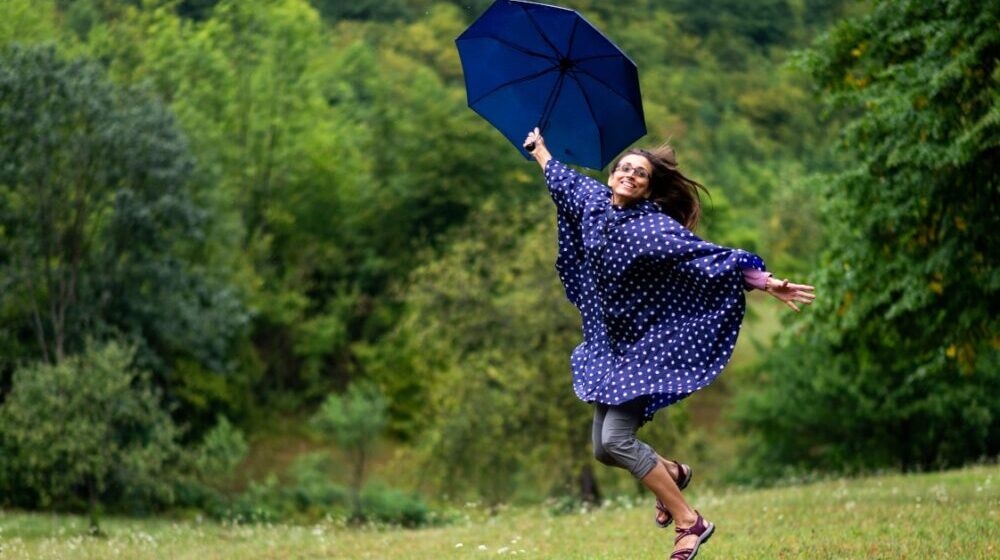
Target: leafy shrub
(354,420)
(312,491)
(311,495)
(261,502)
(388,505)
(222,449)
(208,465)
(89,430)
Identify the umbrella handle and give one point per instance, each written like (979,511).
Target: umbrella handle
(530,147)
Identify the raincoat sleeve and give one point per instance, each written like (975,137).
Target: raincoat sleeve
(570,190)
(694,255)
(579,200)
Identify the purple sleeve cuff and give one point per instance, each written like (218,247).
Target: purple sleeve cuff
(753,278)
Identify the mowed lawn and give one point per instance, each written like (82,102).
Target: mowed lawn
(953,514)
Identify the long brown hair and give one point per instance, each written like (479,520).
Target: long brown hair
(676,194)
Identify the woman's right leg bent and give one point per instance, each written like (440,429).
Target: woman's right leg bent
(618,437)
(600,411)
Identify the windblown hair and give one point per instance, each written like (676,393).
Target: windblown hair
(677,194)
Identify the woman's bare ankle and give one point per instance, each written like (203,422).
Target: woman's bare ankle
(687,519)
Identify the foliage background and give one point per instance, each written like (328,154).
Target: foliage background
(286,197)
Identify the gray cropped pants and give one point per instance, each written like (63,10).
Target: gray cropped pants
(614,439)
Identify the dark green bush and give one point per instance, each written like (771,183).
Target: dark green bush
(88,432)
(388,505)
(310,495)
(312,491)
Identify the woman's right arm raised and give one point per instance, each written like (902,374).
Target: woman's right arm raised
(535,145)
(570,190)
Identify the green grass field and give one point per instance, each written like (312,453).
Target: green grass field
(953,514)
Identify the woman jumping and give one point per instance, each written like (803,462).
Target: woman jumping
(661,309)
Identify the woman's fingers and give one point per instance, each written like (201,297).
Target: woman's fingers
(790,293)
(535,136)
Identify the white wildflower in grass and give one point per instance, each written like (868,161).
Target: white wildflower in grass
(939,492)
(459,545)
(502,550)
(482,547)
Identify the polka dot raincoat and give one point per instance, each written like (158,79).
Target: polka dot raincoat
(661,308)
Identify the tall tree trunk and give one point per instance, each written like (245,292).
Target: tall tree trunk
(586,481)
(92,508)
(359,473)
(589,492)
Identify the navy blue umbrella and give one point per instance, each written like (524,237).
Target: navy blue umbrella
(529,65)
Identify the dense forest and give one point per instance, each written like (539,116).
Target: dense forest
(228,223)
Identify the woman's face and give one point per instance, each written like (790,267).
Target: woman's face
(629,181)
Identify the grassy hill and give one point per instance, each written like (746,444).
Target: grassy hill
(954,514)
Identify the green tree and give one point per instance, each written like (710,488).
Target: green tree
(90,430)
(764,22)
(27,21)
(386,10)
(354,421)
(100,234)
(898,364)
(221,450)
(340,158)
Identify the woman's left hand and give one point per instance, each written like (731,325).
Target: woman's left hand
(790,293)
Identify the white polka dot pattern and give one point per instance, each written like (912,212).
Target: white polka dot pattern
(661,308)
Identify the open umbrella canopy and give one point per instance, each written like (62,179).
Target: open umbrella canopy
(529,65)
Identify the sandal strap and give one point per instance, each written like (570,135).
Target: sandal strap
(683,473)
(697,529)
(682,554)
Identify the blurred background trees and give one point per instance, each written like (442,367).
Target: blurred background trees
(903,348)
(272,200)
